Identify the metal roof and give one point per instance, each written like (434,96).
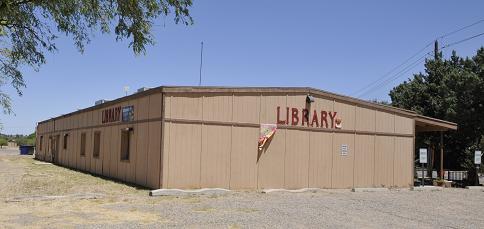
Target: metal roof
(270,90)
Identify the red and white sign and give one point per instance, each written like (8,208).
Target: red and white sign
(305,117)
(266,132)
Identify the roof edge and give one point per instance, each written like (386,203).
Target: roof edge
(436,122)
(221,89)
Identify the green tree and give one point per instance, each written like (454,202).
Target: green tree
(3,142)
(29,28)
(27,140)
(450,89)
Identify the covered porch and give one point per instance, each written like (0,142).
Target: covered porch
(425,124)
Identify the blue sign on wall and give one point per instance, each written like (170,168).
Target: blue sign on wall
(128,114)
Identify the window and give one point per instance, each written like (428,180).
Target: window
(66,138)
(97,144)
(83,144)
(40,144)
(125,143)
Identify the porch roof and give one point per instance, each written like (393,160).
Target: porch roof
(428,124)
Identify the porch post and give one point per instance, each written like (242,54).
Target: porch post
(442,154)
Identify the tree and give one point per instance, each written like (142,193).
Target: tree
(3,142)
(29,28)
(27,140)
(452,90)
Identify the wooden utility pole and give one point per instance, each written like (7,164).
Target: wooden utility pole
(430,164)
(441,154)
(436,50)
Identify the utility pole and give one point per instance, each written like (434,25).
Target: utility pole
(436,50)
(201,63)
(442,155)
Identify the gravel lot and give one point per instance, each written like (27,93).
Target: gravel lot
(37,196)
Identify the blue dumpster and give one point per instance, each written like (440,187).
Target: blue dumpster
(25,150)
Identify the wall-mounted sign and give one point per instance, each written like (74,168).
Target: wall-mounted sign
(303,117)
(477,157)
(344,150)
(128,114)
(111,115)
(266,132)
(423,155)
(116,114)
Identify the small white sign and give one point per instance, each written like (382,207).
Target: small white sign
(477,157)
(344,150)
(423,155)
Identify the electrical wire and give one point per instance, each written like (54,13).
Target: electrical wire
(399,75)
(381,80)
(391,71)
(463,40)
(396,76)
(458,30)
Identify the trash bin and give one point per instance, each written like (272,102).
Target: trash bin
(25,150)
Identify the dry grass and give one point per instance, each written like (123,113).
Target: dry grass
(64,197)
(203,209)
(49,196)
(247,210)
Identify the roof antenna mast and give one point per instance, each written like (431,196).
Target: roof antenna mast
(201,63)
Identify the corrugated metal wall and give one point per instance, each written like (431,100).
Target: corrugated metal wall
(211,141)
(143,167)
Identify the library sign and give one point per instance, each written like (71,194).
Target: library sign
(116,114)
(304,117)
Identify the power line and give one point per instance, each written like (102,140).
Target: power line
(365,89)
(393,69)
(396,76)
(458,30)
(463,40)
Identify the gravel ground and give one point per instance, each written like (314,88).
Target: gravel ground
(40,196)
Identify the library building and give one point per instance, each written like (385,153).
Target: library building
(239,138)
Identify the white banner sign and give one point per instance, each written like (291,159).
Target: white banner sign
(423,155)
(477,157)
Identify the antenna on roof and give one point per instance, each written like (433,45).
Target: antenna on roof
(201,63)
(126,89)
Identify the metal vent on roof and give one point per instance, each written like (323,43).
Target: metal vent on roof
(142,89)
(101,101)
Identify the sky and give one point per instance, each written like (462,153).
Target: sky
(337,46)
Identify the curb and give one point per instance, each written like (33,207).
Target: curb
(180,192)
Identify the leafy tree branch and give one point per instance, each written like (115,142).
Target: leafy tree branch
(29,29)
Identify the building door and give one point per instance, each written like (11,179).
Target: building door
(55,149)
(50,146)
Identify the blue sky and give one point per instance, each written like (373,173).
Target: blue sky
(338,46)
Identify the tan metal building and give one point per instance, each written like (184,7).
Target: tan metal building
(198,137)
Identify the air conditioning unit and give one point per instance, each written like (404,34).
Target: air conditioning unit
(101,101)
(142,89)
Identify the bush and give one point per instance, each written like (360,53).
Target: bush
(3,142)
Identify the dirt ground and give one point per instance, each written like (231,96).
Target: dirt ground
(37,195)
